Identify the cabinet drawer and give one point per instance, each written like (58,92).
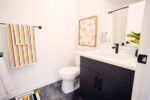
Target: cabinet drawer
(121,74)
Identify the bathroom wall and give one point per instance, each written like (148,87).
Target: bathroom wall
(99,8)
(87,8)
(55,43)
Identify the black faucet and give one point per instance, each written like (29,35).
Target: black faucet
(116,47)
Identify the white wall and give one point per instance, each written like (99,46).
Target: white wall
(85,9)
(99,8)
(55,43)
(141,88)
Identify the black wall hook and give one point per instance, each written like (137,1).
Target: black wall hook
(40,27)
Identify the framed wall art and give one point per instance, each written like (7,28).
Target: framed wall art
(88,31)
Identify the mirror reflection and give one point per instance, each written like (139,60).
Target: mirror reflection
(124,22)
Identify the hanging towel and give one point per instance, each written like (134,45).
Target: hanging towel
(5,77)
(24,44)
(27,98)
(29,46)
(34,96)
(19,40)
(13,48)
(119,25)
(110,29)
(24,98)
(21,45)
(26,34)
(33,43)
(22,36)
(2,91)
(37,96)
(17,34)
(10,45)
(31,97)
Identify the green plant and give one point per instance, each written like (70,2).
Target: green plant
(135,36)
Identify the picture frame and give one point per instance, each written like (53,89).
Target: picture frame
(87,32)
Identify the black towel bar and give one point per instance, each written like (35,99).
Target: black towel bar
(39,27)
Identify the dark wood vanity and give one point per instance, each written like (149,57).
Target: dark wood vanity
(103,81)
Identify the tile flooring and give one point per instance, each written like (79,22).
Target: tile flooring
(53,92)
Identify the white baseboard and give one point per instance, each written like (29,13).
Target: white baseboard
(31,87)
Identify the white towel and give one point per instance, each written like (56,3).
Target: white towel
(109,38)
(119,25)
(5,77)
(2,91)
(37,96)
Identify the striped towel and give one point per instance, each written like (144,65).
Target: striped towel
(34,96)
(21,45)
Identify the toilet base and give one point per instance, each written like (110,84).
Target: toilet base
(70,86)
(67,86)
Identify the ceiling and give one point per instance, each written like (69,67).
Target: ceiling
(123,2)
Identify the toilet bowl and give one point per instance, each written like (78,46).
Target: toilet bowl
(68,75)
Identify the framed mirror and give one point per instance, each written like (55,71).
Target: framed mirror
(123,19)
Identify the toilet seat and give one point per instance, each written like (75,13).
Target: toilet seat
(69,72)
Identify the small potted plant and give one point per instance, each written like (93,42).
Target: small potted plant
(135,39)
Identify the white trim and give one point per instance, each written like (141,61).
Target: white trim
(32,87)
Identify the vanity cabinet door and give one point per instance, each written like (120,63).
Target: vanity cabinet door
(96,86)
(89,84)
(114,90)
(101,81)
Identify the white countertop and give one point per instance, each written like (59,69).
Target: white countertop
(125,61)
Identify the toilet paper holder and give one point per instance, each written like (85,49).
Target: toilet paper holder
(1,54)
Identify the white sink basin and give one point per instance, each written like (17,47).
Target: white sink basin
(121,60)
(112,55)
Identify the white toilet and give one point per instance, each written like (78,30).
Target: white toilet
(68,75)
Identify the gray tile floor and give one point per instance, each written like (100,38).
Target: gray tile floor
(53,92)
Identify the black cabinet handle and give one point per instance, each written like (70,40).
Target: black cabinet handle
(100,84)
(95,82)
